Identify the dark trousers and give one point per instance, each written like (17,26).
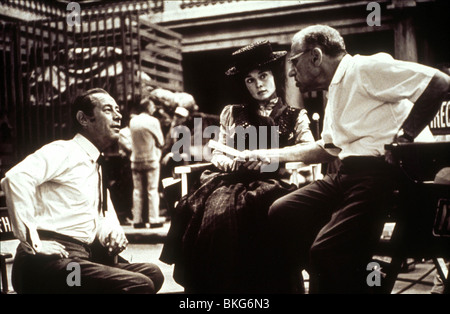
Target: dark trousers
(80,274)
(330,227)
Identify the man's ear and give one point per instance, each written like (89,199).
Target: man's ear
(317,56)
(82,118)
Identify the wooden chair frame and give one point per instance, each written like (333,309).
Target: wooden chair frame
(6,233)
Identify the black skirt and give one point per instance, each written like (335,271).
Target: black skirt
(219,238)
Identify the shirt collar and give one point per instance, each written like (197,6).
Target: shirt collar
(87,146)
(341,69)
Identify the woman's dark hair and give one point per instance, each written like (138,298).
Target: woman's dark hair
(84,102)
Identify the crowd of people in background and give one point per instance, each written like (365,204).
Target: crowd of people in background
(145,145)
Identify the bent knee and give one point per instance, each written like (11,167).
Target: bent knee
(275,208)
(279,209)
(146,281)
(158,279)
(140,284)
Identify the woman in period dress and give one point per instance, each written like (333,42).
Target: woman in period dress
(218,237)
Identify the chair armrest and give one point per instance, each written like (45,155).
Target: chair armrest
(4,256)
(192,168)
(167,182)
(184,171)
(297,166)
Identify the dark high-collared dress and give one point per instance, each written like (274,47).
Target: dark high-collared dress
(218,238)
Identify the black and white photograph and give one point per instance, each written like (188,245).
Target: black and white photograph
(225,154)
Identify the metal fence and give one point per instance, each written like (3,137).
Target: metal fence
(54,9)
(45,64)
(198,3)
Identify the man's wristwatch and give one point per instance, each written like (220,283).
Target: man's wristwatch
(402,133)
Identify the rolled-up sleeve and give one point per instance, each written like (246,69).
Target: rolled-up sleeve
(394,80)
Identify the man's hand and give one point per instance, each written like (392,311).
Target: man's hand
(116,242)
(52,248)
(252,160)
(256,155)
(246,165)
(403,137)
(400,137)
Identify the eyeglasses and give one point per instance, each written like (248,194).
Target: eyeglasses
(295,57)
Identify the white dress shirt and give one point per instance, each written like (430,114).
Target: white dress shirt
(369,98)
(57,189)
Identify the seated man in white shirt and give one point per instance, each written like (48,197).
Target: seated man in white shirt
(332,225)
(58,208)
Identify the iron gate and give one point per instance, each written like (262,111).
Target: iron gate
(46,63)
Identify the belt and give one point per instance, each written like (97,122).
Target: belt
(364,163)
(363,159)
(51,235)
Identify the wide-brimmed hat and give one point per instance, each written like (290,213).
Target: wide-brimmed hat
(255,55)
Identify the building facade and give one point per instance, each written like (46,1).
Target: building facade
(413,30)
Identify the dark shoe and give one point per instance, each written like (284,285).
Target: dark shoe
(408,265)
(157,225)
(140,225)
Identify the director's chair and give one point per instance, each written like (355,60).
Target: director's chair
(6,234)
(421,212)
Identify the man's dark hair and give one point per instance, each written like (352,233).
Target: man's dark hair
(84,102)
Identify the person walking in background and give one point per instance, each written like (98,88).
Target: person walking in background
(60,209)
(147,141)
